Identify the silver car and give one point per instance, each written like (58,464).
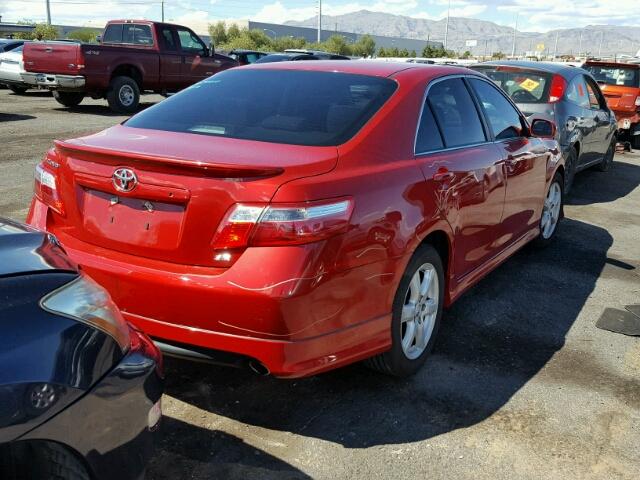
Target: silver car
(11,68)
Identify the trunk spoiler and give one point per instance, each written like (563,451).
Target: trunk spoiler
(158,162)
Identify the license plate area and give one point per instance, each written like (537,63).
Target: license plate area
(45,79)
(132,221)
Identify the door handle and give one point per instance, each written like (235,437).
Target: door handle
(443,175)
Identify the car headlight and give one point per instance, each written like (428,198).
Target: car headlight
(86,301)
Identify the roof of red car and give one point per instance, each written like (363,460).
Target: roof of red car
(360,67)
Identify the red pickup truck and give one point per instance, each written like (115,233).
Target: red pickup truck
(134,56)
(620,84)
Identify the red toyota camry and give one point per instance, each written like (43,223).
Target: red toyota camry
(300,216)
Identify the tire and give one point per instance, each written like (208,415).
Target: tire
(607,160)
(570,165)
(44,461)
(552,211)
(123,95)
(422,313)
(68,99)
(635,142)
(17,90)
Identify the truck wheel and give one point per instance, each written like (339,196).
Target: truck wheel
(68,99)
(123,95)
(17,90)
(416,315)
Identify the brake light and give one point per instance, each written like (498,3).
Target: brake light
(558,88)
(46,188)
(278,224)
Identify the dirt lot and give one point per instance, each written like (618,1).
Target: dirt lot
(521,384)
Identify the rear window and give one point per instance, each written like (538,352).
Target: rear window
(290,106)
(113,33)
(523,86)
(622,76)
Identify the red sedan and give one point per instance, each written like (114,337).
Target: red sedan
(299,216)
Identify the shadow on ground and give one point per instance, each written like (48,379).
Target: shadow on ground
(212,454)
(101,110)
(592,186)
(14,117)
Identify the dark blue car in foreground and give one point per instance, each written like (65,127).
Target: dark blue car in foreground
(568,96)
(79,387)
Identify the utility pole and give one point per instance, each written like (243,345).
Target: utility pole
(162,4)
(580,44)
(484,57)
(48,13)
(555,49)
(515,32)
(446,27)
(600,49)
(319,21)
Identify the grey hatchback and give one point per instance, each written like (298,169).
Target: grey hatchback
(568,96)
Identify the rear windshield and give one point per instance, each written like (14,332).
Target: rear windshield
(623,76)
(279,106)
(523,86)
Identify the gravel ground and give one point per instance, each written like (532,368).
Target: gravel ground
(521,383)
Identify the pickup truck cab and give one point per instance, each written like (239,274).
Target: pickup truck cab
(135,56)
(620,84)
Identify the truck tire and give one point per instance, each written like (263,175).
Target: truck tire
(17,89)
(123,95)
(68,99)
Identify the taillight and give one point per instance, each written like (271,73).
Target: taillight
(278,224)
(558,88)
(46,188)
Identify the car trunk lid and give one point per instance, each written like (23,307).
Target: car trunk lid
(53,57)
(184,185)
(622,99)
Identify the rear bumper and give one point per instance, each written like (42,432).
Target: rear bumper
(270,306)
(109,426)
(53,80)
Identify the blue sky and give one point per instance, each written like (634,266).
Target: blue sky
(538,15)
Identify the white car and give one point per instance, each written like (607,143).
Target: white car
(11,68)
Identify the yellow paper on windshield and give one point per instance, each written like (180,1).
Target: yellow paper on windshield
(529,85)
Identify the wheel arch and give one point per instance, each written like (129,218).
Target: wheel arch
(442,242)
(128,70)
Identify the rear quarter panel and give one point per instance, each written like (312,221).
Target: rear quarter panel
(101,61)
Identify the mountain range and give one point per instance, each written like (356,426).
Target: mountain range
(597,40)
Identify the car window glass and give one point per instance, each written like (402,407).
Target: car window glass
(113,34)
(523,86)
(428,138)
(189,42)
(615,75)
(502,116)
(577,92)
(295,107)
(137,34)
(456,113)
(252,57)
(167,38)
(595,97)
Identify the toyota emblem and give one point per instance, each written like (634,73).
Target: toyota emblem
(124,179)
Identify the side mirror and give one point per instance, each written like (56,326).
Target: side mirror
(99,38)
(543,128)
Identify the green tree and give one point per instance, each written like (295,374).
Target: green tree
(394,52)
(85,35)
(280,44)
(404,53)
(337,44)
(413,54)
(498,55)
(42,31)
(382,52)
(218,33)
(233,32)
(364,47)
(466,54)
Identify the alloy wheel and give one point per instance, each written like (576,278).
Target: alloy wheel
(551,210)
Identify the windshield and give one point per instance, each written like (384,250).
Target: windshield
(280,106)
(622,76)
(523,86)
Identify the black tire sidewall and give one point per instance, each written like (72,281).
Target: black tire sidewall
(395,358)
(570,168)
(17,90)
(113,96)
(68,99)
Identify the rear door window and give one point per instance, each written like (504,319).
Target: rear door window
(113,33)
(428,138)
(290,106)
(456,113)
(596,99)
(137,34)
(577,92)
(168,40)
(502,116)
